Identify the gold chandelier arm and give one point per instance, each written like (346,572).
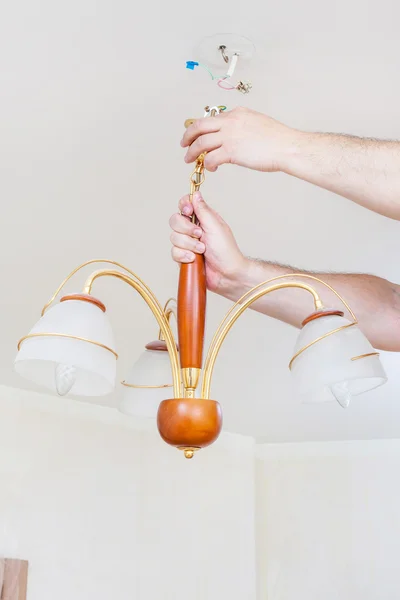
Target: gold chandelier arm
(306,276)
(169,311)
(92,262)
(291,275)
(157,311)
(235,312)
(168,307)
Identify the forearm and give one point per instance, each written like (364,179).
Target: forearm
(366,171)
(375,301)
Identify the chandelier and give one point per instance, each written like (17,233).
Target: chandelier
(71,349)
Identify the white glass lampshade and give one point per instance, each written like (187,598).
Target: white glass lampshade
(149,383)
(65,364)
(342,365)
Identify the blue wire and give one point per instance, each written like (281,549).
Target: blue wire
(191,64)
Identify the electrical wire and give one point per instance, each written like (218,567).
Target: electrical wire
(220,79)
(224,87)
(213,77)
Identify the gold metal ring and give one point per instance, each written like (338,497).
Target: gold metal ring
(146,387)
(66,335)
(365,355)
(201,181)
(322,337)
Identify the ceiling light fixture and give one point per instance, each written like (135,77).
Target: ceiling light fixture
(217,45)
(71,349)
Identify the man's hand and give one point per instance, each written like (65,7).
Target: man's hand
(212,237)
(375,300)
(242,137)
(364,170)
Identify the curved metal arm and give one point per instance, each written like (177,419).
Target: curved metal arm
(157,311)
(245,301)
(169,311)
(92,262)
(234,313)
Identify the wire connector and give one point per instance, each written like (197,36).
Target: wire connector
(244,87)
(191,64)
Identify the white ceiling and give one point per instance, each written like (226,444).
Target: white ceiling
(93,96)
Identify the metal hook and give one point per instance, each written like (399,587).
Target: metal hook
(224,56)
(211,111)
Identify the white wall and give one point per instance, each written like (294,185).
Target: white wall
(102,510)
(329,521)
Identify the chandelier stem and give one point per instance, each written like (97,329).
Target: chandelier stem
(192,297)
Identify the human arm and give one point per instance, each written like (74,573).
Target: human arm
(375,301)
(364,170)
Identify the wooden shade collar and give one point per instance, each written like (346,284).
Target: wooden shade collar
(157,346)
(85,298)
(322,313)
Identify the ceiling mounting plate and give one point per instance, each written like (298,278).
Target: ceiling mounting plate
(208,50)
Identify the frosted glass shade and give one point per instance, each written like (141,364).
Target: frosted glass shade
(153,368)
(325,371)
(67,365)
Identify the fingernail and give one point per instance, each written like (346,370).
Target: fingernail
(188,257)
(200,247)
(186,158)
(197,196)
(198,232)
(186,210)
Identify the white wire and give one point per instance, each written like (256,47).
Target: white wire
(232,65)
(224,78)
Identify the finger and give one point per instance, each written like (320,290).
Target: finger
(181,224)
(205,214)
(186,242)
(204,143)
(182,256)
(215,159)
(185,206)
(200,127)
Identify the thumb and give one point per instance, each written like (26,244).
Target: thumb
(203,211)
